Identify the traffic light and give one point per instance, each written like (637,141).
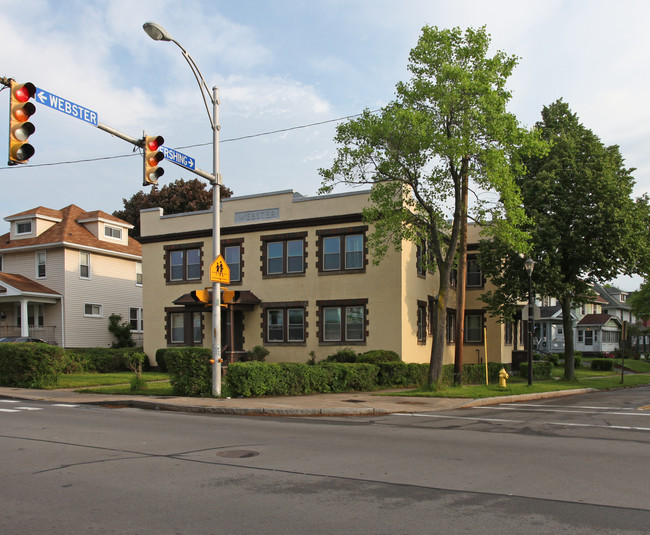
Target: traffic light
(20,128)
(201,295)
(152,157)
(228,297)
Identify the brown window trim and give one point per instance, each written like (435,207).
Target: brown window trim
(182,247)
(188,328)
(285,305)
(342,232)
(234,242)
(341,303)
(284,238)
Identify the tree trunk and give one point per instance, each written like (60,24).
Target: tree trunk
(439,335)
(569,361)
(461,280)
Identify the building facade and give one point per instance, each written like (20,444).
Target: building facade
(306,284)
(64,272)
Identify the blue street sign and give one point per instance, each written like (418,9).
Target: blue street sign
(65,106)
(178,158)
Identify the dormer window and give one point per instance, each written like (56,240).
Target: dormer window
(24,227)
(113,232)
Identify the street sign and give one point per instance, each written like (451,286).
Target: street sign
(65,106)
(178,158)
(219,271)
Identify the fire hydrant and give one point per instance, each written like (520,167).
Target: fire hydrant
(503,375)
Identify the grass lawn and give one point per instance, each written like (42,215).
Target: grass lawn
(585,378)
(78,380)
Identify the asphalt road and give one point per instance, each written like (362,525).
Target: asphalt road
(575,465)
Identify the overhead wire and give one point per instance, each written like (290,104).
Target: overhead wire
(240,138)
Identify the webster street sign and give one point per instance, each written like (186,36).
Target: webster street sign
(65,106)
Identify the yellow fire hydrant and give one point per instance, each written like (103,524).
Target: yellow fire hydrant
(503,375)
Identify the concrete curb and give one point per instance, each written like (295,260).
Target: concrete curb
(525,397)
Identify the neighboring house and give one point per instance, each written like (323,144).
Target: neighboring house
(598,333)
(306,283)
(615,302)
(64,272)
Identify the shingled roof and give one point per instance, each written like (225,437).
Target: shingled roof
(25,285)
(69,231)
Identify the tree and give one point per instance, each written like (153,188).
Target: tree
(584,224)
(174,198)
(448,124)
(639,301)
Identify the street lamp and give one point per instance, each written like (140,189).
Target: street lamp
(529,264)
(158,33)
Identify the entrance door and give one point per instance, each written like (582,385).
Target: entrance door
(232,334)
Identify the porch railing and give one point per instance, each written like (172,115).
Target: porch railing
(45,332)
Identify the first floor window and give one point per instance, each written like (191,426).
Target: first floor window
(135,318)
(185,327)
(92,310)
(285,324)
(474,328)
(451,327)
(589,338)
(507,327)
(422,322)
(138,273)
(343,323)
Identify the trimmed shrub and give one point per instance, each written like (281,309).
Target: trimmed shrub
(401,374)
(553,358)
(30,365)
(541,369)
(190,372)
(342,355)
(293,378)
(160,359)
(604,365)
(473,373)
(258,354)
(378,355)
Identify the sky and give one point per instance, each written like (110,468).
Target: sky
(287,70)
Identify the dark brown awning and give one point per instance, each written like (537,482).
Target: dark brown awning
(244,299)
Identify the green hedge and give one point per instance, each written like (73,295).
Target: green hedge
(30,365)
(99,359)
(473,373)
(190,371)
(603,365)
(542,369)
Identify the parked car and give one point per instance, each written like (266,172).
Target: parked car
(22,339)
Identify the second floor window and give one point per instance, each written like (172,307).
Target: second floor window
(232,256)
(84,265)
(183,263)
(284,254)
(113,232)
(342,250)
(41,270)
(138,273)
(474,273)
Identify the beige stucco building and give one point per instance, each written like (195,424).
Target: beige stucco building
(306,282)
(64,272)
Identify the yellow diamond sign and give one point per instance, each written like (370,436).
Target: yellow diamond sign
(219,271)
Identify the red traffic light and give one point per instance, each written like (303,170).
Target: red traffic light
(152,157)
(20,110)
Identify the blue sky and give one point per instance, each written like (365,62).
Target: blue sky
(282,64)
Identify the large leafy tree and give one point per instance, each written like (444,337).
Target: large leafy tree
(174,198)
(448,126)
(584,224)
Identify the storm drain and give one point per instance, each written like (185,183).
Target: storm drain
(237,454)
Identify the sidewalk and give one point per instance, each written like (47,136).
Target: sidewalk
(348,404)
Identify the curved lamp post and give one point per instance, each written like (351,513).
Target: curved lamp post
(529,264)
(158,33)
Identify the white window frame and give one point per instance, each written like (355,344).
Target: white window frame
(92,313)
(24,222)
(138,319)
(138,273)
(109,232)
(44,264)
(81,265)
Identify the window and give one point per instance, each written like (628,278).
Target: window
(343,321)
(284,255)
(84,265)
(92,310)
(341,250)
(113,232)
(24,227)
(451,326)
(183,262)
(0,262)
(286,324)
(589,338)
(41,271)
(232,256)
(138,273)
(474,273)
(184,327)
(580,335)
(507,329)
(473,328)
(422,322)
(135,318)
(420,258)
